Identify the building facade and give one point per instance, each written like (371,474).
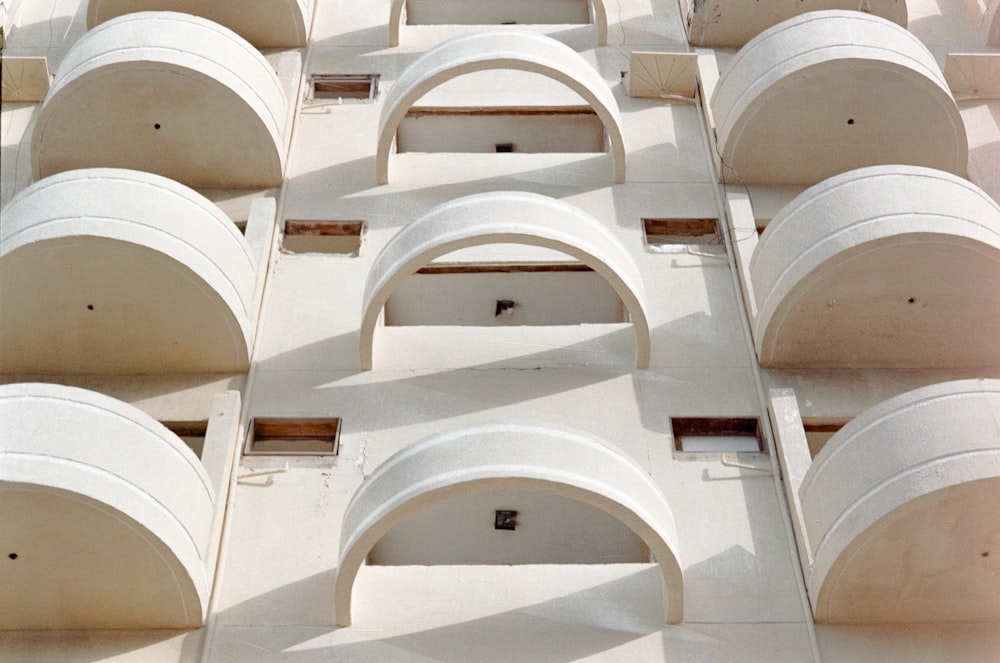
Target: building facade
(451,330)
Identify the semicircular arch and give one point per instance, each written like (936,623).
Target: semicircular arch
(504,217)
(484,51)
(509,457)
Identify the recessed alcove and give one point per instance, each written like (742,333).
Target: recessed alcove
(533,55)
(508,12)
(517,218)
(508,494)
(485,130)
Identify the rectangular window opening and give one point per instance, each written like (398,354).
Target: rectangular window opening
(333,237)
(662,232)
(362,87)
(717,435)
(191,432)
(272,436)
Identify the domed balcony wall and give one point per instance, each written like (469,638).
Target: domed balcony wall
(888,266)
(900,508)
(263,23)
(508,460)
(504,217)
(166,93)
(117,271)
(484,51)
(109,520)
(832,91)
(732,23)
(598,12)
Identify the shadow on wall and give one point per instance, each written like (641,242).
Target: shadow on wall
(563,629)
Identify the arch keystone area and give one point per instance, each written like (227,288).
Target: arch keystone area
(598,10)
(832,91)
(109,515)
(166,93)
(129,272)
(888,266)
(508,457)
(504,217)
(483,51)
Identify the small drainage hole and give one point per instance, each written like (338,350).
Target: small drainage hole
(849,121)
(14,556)
(911,300)
(90,307)
(157,125)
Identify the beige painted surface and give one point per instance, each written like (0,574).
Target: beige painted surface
(855,88)
(273,595)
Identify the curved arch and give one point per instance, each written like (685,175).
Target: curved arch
(883,484)
(598,8)
(265,24)
(109,512)
(504,217)
(855,88)
(499,50)
(885,266)
(503,457)
(133,93)
(122,263)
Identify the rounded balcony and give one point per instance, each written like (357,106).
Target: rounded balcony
(166,93)
(888,266)
(832,91)
(105,515)
(263,23)
(565,477)
(732,23)
(119,271)
(901,507)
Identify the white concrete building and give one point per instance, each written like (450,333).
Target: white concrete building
(454,330)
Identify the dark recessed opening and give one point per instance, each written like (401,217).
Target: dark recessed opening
(156,126)
(337,237)
(717,434)
(90,307)
(504,147)
(344,86)
(505,307)
(14,555)
(658,232)
(850,121)
(911,300)
(505,520)
(192,433)
(271,436)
